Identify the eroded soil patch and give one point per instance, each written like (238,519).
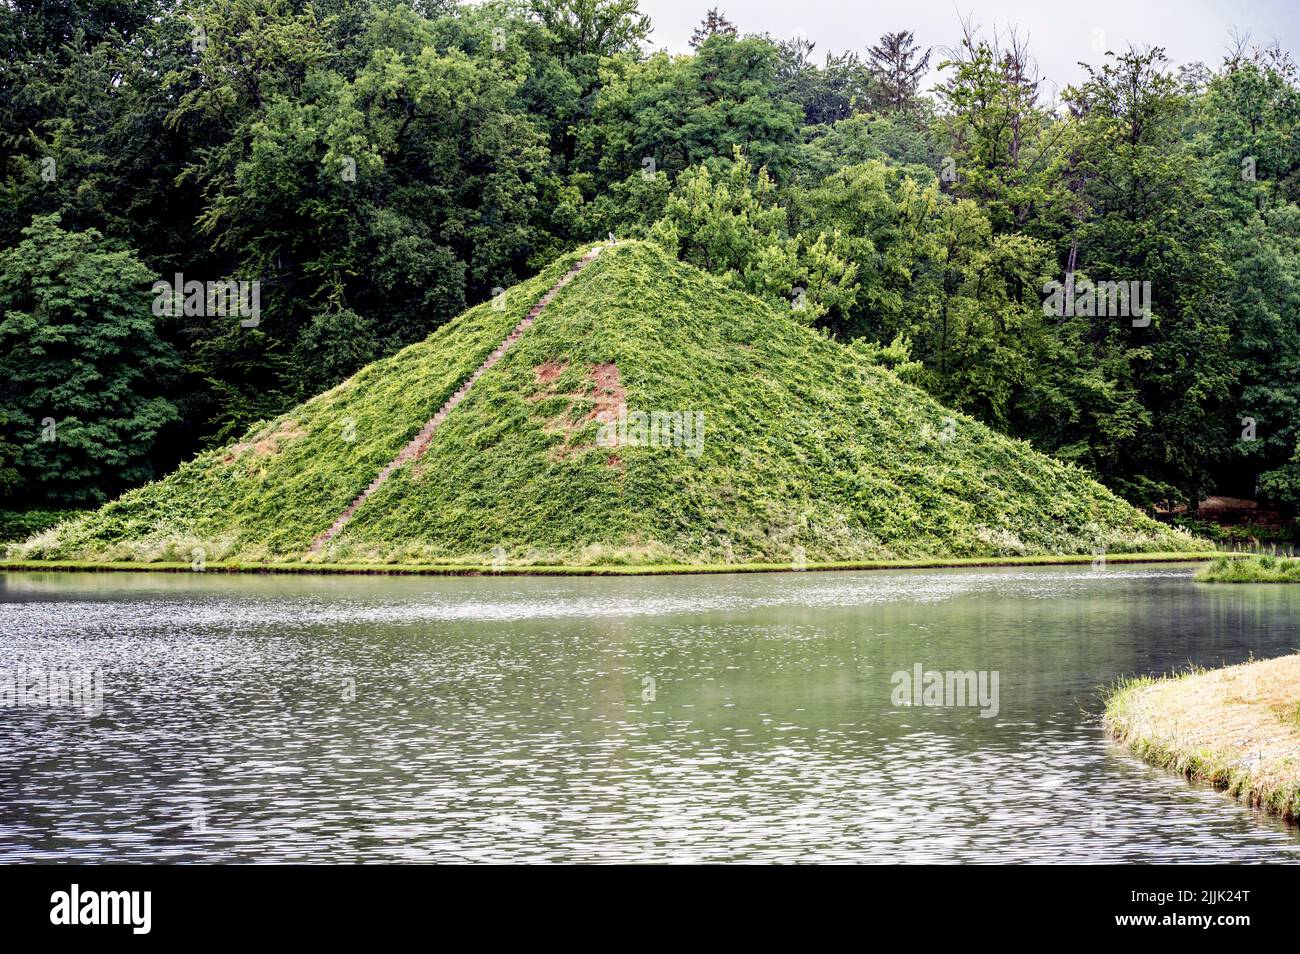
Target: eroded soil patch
(599,400)
(265,442)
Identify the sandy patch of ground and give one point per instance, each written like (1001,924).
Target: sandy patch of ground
(548,371)
(264,442)
(601,397)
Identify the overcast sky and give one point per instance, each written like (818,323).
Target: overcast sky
(1060,34)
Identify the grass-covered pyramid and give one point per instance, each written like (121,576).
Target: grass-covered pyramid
(807,451)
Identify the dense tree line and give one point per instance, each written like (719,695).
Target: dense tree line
(377,165)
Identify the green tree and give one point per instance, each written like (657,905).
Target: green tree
(581,34)
(731,224)
(593,28)
(1149,219)
(897,65)
(714,22)
(933,273)
(1244,135)
(670,113)
(1003,149)
(81,365)
(395,194)
(826,93)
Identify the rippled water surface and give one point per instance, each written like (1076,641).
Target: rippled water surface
(334,719)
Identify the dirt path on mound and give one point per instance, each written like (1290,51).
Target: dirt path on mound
(420,443)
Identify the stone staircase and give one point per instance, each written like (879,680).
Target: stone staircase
(420,443)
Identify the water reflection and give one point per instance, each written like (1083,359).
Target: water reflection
(658,719)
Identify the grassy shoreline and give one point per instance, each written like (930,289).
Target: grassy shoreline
(1237,728)
(597,570)
(1251,569)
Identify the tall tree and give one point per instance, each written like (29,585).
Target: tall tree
(897,64)
(1149,218)
(714,22)
(593,28)
(827,93)
(582,33)
(1245,135)
(82,366)
(670,113)
(1004,147)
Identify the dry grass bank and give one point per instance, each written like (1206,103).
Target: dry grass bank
(1237,728)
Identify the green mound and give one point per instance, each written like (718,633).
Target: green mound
(584,445)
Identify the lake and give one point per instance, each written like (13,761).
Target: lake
(660,719)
